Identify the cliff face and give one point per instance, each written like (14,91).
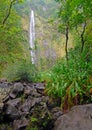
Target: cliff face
(47,36)
(44,8)
(49,43)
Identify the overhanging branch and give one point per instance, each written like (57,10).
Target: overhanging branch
(9,11)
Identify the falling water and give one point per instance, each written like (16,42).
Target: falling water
(32,37)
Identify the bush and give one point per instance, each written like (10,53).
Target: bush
(71,81)
(20,70)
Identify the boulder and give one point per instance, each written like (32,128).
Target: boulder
(56,113)
(29,104)
(17,90)
(79,118)
(4,91)
(11,112)
(15,102)
(6,98)
(3,85)
(39,87)
(18,87)
(20,124)
(28,90)
(31,91)
(35,94)
(26,106)
(13,95)
(1,107)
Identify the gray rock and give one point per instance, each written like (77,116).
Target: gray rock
(13,95)
(39,87)
(17,89)
(20,124)
(30,103)
(35,94)
(3,85)
(79,118)
(11,112)
(4,91)
(19,86)
(6,98)
(26,106)
(56,113)
(31,91)
(15,102)
(28,90)
(1,107)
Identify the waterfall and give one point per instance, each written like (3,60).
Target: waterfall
(32,37)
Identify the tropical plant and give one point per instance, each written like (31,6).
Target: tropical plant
(74,14)
(71,83)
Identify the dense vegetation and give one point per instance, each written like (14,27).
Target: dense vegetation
(14,45)
(70,78)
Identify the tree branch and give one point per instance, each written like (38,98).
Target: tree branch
(9,11)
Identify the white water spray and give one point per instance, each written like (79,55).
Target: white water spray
(32,37)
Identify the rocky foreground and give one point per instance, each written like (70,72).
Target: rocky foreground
(24,106)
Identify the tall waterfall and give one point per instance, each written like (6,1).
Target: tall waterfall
(32,37)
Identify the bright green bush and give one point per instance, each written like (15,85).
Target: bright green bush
(70,81)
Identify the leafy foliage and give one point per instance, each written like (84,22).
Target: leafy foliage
(12,36)
(21,70)
(74,14)
(71,82)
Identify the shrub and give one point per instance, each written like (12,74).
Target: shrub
(70,81)
(20,70)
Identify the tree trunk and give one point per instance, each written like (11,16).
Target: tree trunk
(66,45)
(82,37)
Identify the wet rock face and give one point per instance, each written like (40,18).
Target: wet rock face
(79,118)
